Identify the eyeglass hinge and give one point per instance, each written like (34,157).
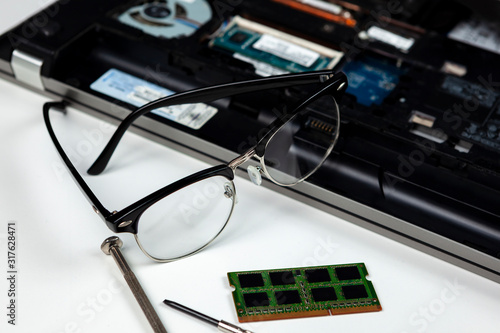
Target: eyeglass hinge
(125,224)
(324,78)
(27,69)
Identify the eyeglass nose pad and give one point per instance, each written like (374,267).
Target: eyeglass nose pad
(255,174)
(229,192)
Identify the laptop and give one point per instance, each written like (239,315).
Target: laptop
(418,157)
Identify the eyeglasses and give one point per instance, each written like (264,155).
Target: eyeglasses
(182,218)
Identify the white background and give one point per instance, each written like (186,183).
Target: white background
(66,284)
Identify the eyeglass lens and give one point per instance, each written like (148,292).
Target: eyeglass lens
(300,146)
(186,220)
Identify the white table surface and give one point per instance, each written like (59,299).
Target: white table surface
(66,284)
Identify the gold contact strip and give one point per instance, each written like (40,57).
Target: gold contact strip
(284,315)
(307,314)
(346,310)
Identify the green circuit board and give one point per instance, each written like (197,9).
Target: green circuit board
(302,292)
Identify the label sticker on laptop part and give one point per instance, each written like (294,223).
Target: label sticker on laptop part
(385,36)
(128,88)
(286,50)
(479,33)
(321,4)
(261,68)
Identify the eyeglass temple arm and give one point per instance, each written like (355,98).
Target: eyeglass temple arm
(97,205)
(203,95)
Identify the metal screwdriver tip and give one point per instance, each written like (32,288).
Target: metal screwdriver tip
(222,325)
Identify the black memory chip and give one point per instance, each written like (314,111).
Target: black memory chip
(256,299)
(282,278)
(287,297)
(324,294)
(354,291)
(239,37)
(317,275)
(347,273)
(251,280)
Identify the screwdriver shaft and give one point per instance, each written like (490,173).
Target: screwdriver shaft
(138,292)
(112,246)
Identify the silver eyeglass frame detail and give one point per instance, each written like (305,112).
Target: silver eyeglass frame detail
(251,153)
(265,170)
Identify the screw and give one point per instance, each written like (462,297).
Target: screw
(111,246)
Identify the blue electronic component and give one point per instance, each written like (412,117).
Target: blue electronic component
(371,80)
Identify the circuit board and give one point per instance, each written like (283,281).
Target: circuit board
(274,48)
(302,292)
(371,80)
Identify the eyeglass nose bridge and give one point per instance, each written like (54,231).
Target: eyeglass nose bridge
(241,159)
(254,172)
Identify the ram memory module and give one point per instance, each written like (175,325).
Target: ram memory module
(302,292)
(264,47)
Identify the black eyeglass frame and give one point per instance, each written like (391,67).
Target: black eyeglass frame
(127,219)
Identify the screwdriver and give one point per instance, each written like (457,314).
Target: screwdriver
(222,325)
